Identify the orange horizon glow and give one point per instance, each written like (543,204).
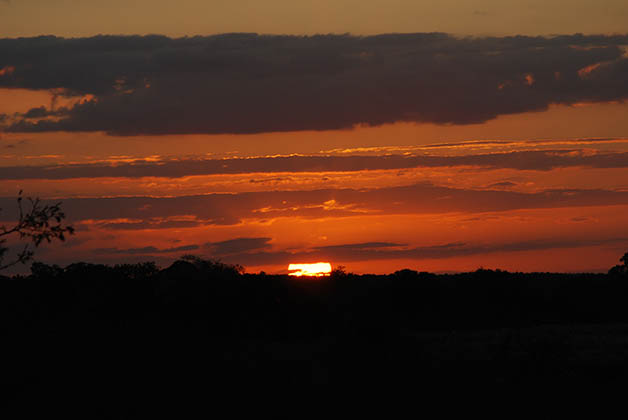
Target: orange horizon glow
(320,269)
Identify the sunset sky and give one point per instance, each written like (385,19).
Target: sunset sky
(378,135)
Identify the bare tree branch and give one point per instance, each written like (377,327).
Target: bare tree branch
(35,225)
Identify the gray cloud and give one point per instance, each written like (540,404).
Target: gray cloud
(146,250)
(237,245)
(248,83)
(15,145)
(42,111)
(230,209)
(343,253)
(503,184)
(151,224)
(521,160)
(363,245)
(384,251)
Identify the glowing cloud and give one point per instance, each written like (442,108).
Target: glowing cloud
(7,71)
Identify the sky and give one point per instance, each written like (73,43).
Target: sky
(436,136)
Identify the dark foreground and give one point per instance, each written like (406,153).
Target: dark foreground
(135,342)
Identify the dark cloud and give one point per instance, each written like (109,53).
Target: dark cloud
(16,144)
(506,143)
(338,254)
(150,224)
(146,250)
(42,111)
(36,113)
(383,251)
(248,83)
(363,245)
(230,209)
(503,184)
(581,219)
(522,160)
(238,245)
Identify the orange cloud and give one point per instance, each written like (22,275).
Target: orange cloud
(586,71)
(7,71)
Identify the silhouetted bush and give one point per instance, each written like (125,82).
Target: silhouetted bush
(620,270)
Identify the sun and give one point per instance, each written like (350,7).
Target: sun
(320,269)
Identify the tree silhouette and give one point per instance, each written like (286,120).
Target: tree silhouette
(339,272)
(35,225)
(620,270)
(212,266)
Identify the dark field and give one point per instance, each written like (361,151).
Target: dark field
(124,341)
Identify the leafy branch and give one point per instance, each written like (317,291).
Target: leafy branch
(36,224)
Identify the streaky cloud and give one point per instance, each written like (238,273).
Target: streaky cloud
(237,245)
(382,251)
(146,250)
(232,209)
(536,160)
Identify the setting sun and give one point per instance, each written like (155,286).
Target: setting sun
(314,270)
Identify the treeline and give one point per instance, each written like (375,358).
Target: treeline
(221,298)
(135,334)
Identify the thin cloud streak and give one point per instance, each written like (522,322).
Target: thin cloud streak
(368,251)
(519,160)
(365,252)
(231,209)
(149,250)
(237,246)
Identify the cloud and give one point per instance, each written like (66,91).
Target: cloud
(42,111)
(536,160)
(155,223)
(149,250)
(384,251)
(231,209)
(363,245)
(249,83)
(503,184)
(237,245)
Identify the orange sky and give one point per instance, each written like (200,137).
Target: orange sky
(539,186)
(191,17)
(568,237)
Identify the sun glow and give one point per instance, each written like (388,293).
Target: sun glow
(314,270)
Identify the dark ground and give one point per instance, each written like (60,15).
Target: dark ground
(135,342)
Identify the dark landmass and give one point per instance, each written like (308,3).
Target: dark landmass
(118,342)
